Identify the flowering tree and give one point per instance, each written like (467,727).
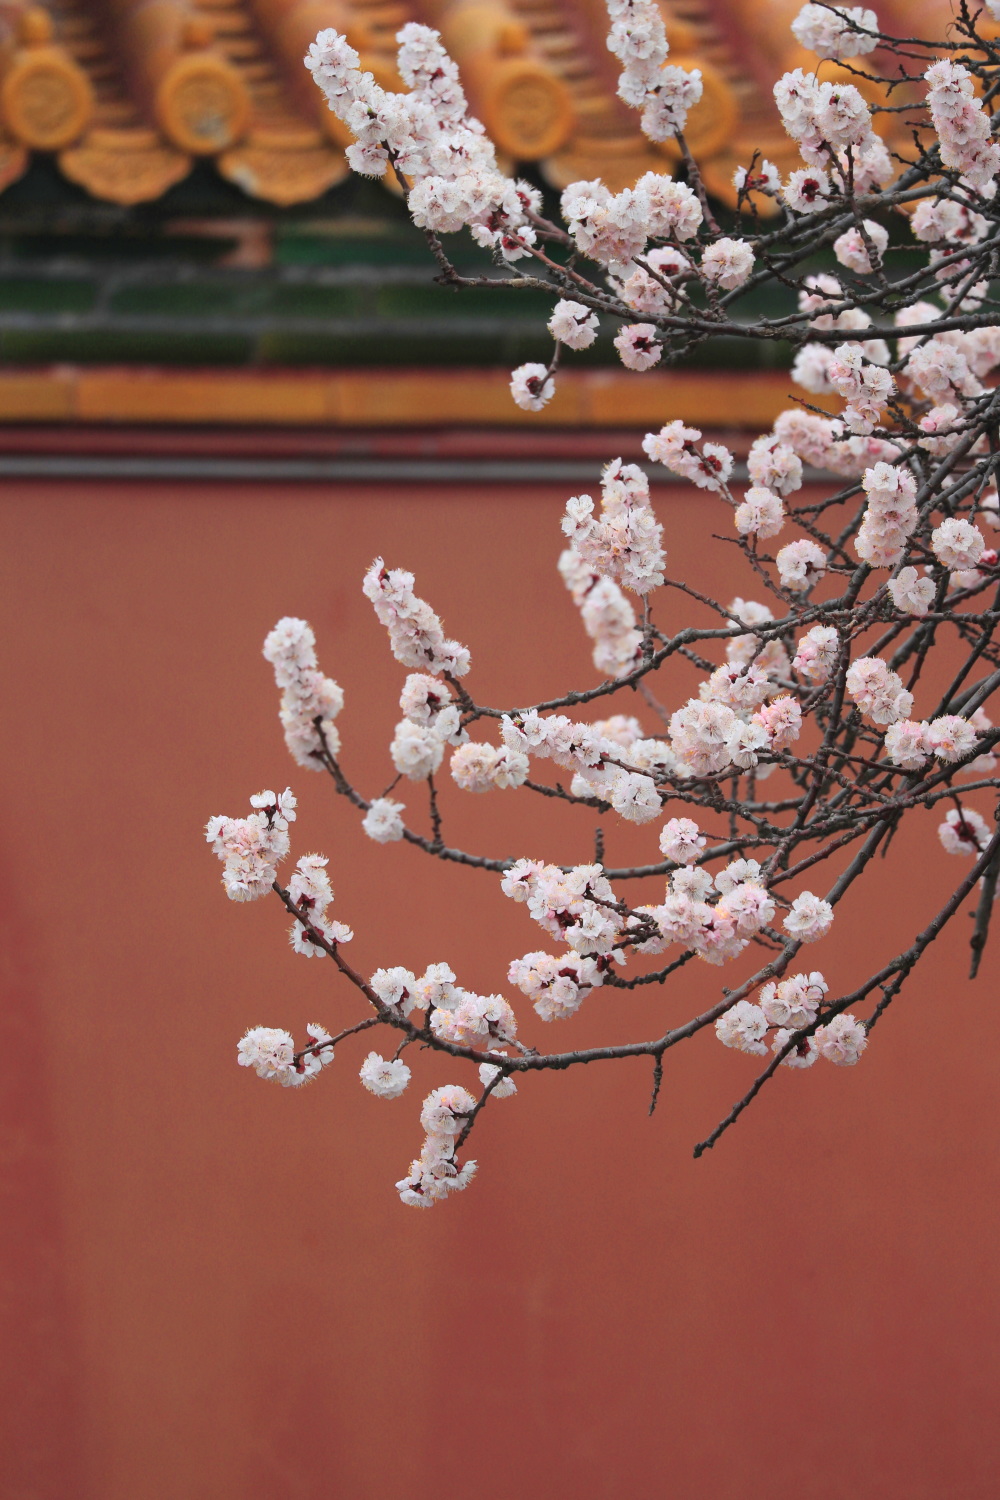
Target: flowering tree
(887,569)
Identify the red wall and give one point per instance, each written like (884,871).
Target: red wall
(209,1288)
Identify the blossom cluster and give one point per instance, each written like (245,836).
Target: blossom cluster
(624,541)
(607,616)
(664,93)
(271,1053)
(833,686)
(310,890)
(415,632)
(309,701)
(435,1173)
(789,1009)
(963,126)
(251,848)
(836,31)
(428,137)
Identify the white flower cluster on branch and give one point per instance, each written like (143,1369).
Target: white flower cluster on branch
(845,694)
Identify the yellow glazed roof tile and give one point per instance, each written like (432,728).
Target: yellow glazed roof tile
(128,93)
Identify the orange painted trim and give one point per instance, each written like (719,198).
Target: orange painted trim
(387,398)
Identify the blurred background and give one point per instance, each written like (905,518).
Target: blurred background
(227,381)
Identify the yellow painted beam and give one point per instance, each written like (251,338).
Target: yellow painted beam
(387,398)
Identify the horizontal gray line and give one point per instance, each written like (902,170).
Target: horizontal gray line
(238,324)
(415,470)
(69,466)
(163,270)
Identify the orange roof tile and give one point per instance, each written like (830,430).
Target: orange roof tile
(128,93)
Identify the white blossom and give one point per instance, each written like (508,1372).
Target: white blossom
(681,840)
(964,831)
(727,262)
(383,821)
(841,1040)
(624,541)
(573,324)
(911,593)
(268,1050)
(638,346)
(809,919)
(532,386)
(800,565)
(385,1079)
(833,31)
(743,1026)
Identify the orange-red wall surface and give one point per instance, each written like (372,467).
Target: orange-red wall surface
(208,1287)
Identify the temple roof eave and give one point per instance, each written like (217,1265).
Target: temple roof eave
(128,94)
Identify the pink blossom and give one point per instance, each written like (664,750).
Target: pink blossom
(800,565)
(910,593)
(624,542)
(700,733)
(415,633)
(268,1050)
(951,737)
(962,125)
(532,386)
(764,179)
(807,190)
(957,544)
(774,465)
(746,739)
(940,424)
(832,32)
(941,370)
(760,513)
(781,719)
(607,616)
(742,650)
(727,262)
(480,768)
(428,701)
(811,368)
(802,1055)
(841,1040)
(983,765)
(906,744)
(488,1071)
(878,691)
(852,250)
(416,750)
(793,1002)
(963,832)
(737,873)
(573,324)
(475,1020)
(671,209)
(866,386)
(638,346)
(749,905)
(681,840)
(445,1110)
(306,695)
(556,984)
(742,687)
(395,988)
(674,447)
(645,293)
(742,1027)
(816,653)
(250,850)
(809,919)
